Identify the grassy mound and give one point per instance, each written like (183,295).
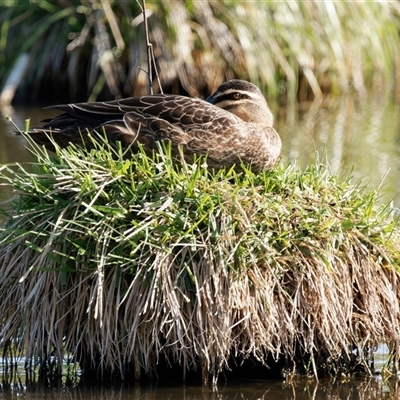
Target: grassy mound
(119,263)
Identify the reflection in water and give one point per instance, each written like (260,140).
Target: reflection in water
(300,389)
(357,138)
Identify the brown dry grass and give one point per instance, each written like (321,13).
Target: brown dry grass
(298,49)
(118,263)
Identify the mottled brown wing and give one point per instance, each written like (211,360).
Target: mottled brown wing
(172,108)
(149,129)
(185,111)
(110,109)
(190,122)
(195,136)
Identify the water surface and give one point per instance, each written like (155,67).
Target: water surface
(354,137)
(255,390)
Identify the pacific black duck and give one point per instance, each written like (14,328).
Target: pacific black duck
(233,124)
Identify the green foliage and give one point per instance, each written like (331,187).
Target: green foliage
(161,256)
(297,49)
(162,204)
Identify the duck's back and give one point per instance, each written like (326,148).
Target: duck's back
(234,125)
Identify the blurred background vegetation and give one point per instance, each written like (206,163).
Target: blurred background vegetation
(78,50)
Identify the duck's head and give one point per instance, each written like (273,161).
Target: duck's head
(243,99)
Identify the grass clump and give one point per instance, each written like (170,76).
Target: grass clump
(121,263)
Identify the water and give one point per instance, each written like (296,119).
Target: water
(350,136)
(361,137)
(381,386)
(305,389)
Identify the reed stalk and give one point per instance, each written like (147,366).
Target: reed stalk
(121,263)
(96,49)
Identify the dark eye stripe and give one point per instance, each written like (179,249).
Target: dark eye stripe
(229,96)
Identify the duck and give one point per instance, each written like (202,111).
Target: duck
(233,126)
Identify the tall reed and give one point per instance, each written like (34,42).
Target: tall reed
(87,49)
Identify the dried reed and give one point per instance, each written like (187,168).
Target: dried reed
(95,49)
(117,262)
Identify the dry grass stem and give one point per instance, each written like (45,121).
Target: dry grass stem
(122,263)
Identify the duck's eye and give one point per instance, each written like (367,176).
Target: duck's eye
(236,96)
